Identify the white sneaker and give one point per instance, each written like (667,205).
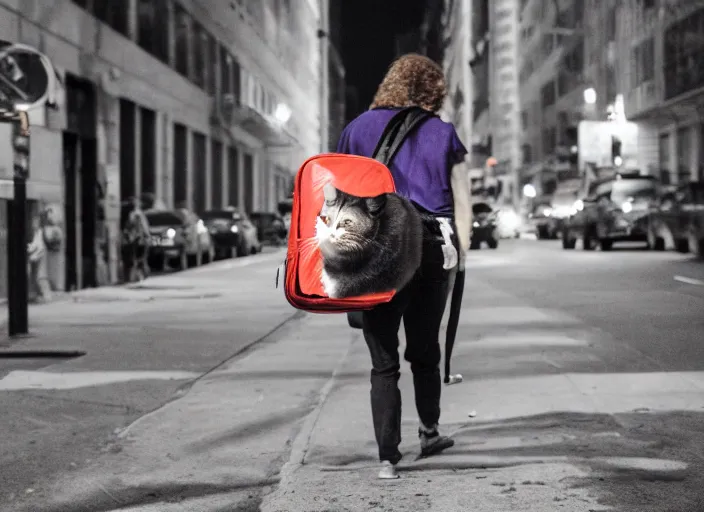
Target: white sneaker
(387,471)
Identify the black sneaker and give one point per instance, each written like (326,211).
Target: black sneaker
(432,443)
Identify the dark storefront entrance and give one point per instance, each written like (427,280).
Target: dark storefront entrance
(81,185)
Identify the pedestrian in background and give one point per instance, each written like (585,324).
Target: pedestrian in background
(428,170)
(54,241)
(135,241)
(37,256)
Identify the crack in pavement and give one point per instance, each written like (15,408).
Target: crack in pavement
(186,387)
(145,495)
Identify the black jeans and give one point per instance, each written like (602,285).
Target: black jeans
(421,304)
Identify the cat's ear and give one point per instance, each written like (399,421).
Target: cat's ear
(376,204)
(330,193)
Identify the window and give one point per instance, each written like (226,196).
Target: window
(503,14)
(684,152)
(225,72)
(199,170)
(180,164)
(684,46)
(114,14)
(128,115)
(549,140)
(183,40)
(664,155)
(547,94)
(611,25)
(236,81)
(200,54)
(524,119)
(233,175)
(162,37)
(643,62)
(248,182)
(211,65)
(216,192)
(148,150)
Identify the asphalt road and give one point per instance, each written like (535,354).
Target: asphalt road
(647,303)
(624,330)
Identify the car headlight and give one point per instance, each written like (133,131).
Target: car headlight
(171,233)
(475,224)
(627,207)
(509,219)
(578,205)
(234,229)
(562,212)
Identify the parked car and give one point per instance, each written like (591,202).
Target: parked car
(271,227)
(616,210)
(179,239)
(484,226)
(542,221)
(676,219)
(233,232)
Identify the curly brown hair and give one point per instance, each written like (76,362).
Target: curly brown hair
(412,81)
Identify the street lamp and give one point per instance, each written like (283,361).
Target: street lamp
(282,113)
(529,191)
(590,96)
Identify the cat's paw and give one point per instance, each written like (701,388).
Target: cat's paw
(329,285)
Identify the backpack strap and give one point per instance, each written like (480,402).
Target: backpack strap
(396,132)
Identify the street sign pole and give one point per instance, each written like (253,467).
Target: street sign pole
(18,321)
(27,81)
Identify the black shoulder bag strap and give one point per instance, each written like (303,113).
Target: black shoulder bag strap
(394,135)
(396,132)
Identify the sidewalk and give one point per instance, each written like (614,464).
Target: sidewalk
(105,299)
(545,438)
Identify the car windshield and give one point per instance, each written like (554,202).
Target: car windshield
(622,190)
(221,215)
(164,218)
(478,208)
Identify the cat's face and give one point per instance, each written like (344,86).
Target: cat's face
(348,223)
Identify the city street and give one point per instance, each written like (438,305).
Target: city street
(205,391)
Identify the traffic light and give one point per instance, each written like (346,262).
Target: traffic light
(616,151)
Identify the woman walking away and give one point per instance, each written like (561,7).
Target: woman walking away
(429,170)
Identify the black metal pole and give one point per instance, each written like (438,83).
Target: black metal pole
(18,323)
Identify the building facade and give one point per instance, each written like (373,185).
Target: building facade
(640,59)
(201,103)
(505,100)
(553,75)
(658,47)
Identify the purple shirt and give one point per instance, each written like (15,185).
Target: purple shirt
(422,165)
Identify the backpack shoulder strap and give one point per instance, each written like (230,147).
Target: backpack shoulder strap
(396,132)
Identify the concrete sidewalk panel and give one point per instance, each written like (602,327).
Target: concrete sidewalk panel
(224,434)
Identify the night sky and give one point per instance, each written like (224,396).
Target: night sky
(369,29)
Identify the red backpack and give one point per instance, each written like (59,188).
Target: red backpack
(356,175)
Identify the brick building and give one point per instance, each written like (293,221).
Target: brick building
(205,103)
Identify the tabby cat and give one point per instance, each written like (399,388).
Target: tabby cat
(368,244)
